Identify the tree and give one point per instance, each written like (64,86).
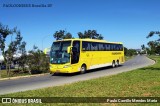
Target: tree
(148,51)
(154,47)
(143,47)
(158,49)
(92,34)
(11,49)
(67,36)
(61,34)
(129,52)
(81,35)
(152,33)
(100,37)
(125,51)
(22,60)
(58,35)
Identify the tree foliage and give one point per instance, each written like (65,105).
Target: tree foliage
(37,61)
(143,47)
(129,52)
(22,60)
(67,36)
(92,34)
(154,45)
(62,34)
(152,34)
(9,50)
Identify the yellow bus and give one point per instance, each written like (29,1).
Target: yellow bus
(81,55)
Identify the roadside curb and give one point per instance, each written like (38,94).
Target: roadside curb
(18,77)
(153,60)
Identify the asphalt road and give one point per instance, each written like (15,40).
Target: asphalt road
(23,84)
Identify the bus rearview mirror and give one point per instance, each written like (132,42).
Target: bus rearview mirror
(69,49)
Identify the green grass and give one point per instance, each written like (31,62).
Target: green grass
(143,82)
(128,57)
(3,74)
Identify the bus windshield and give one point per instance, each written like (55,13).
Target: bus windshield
(58,53)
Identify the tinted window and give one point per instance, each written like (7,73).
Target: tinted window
(117,47)
(111,47)
(86,46)
(101,46)
(121,47)
(107,46)
(76,44)
(94,46)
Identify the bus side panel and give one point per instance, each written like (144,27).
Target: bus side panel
(86,58)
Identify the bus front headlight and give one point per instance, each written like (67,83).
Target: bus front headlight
(66,66)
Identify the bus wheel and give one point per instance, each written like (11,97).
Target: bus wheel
(83,69)
(113,64)
(53,74)
(117,63)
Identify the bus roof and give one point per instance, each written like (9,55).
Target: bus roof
(92,40)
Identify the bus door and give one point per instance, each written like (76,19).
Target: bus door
(75,55)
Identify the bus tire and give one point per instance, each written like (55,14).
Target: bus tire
(117,63)
(113,64)
(53,74)
(83,69)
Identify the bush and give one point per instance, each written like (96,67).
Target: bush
(38,62)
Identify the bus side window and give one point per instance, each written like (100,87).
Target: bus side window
(121,47)
(107,47)
(101,47)
(112,47)
(104,47)
(88,46)
(84,46)
(94,46)
(116,47)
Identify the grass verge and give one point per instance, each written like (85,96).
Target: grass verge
(128,57)
(143,82)
(3,74)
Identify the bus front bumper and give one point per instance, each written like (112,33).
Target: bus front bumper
(60,69)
